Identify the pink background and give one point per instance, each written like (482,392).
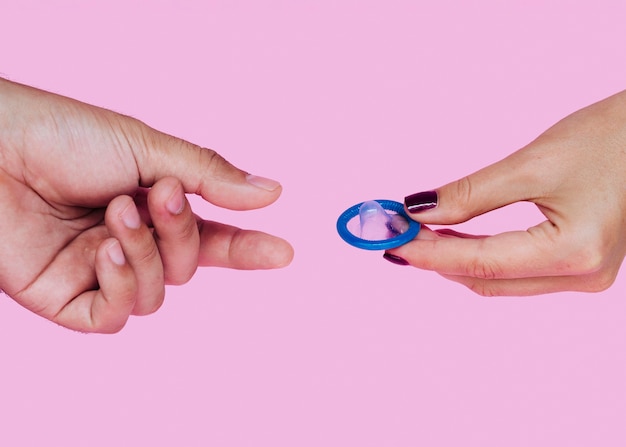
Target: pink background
(342,101)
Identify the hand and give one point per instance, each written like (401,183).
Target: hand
(93,215)
(576,175)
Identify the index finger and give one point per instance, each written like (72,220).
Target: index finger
(536,252)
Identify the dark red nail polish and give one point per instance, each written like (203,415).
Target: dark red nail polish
(395,259)
(421,201)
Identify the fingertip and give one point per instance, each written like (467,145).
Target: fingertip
(105,310)
(167,197)
(122,211)
(271,252)
(437,206)
(283,253)
(395,259)
(420,202)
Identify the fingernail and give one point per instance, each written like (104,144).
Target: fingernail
(421,201)
(395,259)
(176,203)
(114,250)
(130,217)
(262,182)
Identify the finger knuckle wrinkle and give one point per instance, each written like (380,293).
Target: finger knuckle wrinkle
(211,162)
(211,159)
(128,297)
(483,270)
(463,195)
(189,231)
(238,240)
(482,288)
(147,254)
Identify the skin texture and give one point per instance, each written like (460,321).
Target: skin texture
(575,173)
(94,217)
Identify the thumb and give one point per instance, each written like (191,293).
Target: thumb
(502,183)
(201,171)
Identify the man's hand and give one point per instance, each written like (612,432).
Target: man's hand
(93,215)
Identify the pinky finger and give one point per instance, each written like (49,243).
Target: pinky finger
(107,309)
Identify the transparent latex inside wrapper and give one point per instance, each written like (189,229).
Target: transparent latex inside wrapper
(374,223)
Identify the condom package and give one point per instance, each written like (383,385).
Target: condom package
(377,225)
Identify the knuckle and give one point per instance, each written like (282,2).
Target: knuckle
(180,277)
(209,157)
(147,252)
(137,137)
(236,246)
(149,305)
(587,260)
(182,230)
(213,163)
(482,267)
(128,298)
(600,281)
(180,254)
(461,199)
(156,303)
(188,231)
(113,328)
(483,288)
(108,323)
(483,270)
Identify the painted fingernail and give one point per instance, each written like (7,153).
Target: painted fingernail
(114,250)
(421,201)
(261,182)
(130,217)
(395,259)
(176,203)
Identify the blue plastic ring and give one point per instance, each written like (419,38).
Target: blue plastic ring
(385,244)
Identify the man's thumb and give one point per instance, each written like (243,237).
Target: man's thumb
(202,171)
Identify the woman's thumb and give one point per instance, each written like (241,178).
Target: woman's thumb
(492,187)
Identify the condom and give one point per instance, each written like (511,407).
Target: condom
(377,225)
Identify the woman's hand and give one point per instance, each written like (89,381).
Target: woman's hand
(576,175)
(93,215)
